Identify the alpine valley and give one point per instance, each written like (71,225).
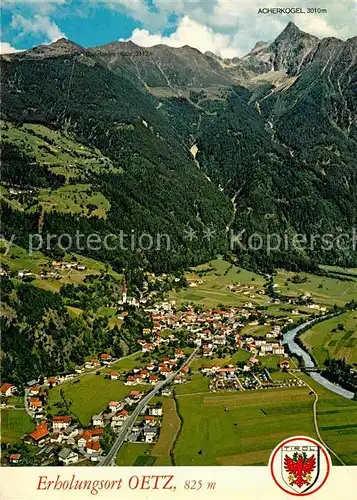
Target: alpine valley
(169,139)
(110,143)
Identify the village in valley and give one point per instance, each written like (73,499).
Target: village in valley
(218,352)
(60,438)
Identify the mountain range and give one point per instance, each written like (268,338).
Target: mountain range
(179,140)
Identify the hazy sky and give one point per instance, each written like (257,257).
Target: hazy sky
(226,27)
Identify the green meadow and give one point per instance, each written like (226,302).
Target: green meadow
(65,156)
(76,199)
(135,454)
(214,287)
(91,395)
(14,424)
(337,421)
(334,338)
(240,428)
(324,290)
(169,429)
(240,355)
(19,258)
(57,150)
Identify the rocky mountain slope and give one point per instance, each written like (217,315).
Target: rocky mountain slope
(274,134)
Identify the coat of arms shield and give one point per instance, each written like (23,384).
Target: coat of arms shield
(300,465)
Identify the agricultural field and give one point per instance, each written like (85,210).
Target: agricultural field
(337,420)
(19,258)
(324,291)
(256,331)
(91,395)
(74,198)
(169,429)
(196,384)
(158,453)
(63,154)
(126,364)
(216,276)
(240,428)
(135,454)
(334,338)
(280,376)
(14,424)
(273,360)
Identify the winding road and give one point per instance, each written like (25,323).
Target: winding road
(128,424)
(317,430)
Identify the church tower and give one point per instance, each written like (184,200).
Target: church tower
(125,297)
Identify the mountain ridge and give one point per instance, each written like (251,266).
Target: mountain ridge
(158,66)
(257,126)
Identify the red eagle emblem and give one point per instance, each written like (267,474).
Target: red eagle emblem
(300,468)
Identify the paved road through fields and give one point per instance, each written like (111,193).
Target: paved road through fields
(128,424)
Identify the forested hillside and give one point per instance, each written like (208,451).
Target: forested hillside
(274,135)
(39,335)
(154,186)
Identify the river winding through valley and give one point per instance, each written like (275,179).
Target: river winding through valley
(289,340)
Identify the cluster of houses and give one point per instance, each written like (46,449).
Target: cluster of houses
(213,329)
(147,425)
(222,322)
(67,266)
(64,440)
(158,370)
(61,439)
(271,344)
(244,289)
(250,376)
(55,267)
(35,401)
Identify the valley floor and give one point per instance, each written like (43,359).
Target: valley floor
(203,425)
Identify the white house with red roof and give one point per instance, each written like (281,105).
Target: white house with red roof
(147,347)
(61,422)
(153,379)
(284,365)
(105,358)
(113,405)
(34,390)
(165,371)
(7,390)
(39,436)
(35,404)
(150,420)
(136,395)
(118,419)
(131,380)
(15,458)
(144,374)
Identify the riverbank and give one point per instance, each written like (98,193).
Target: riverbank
(295,349)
